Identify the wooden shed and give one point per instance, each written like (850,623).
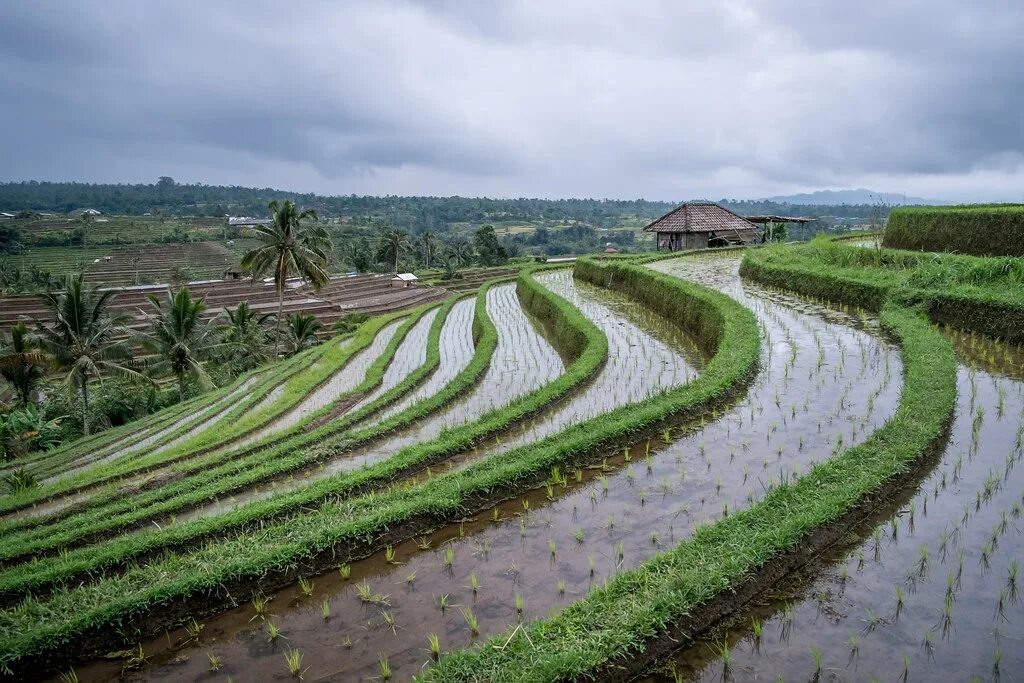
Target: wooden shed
(699,225)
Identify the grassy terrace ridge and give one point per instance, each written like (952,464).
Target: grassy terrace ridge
(979,294)
(979,229)
(270,378)
(605,634)
(112,510)
(127,434)
(301,373)
(172,588)
(578,337)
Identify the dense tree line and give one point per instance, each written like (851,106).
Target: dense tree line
(413,214)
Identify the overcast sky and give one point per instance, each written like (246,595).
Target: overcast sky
(552,98)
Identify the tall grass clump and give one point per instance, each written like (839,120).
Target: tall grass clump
(982,230)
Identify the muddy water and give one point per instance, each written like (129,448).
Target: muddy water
(956,534)
(456,350)
(344,380)
(822,375)
(523,361)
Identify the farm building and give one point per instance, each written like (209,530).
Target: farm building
(403,280)
(699,225)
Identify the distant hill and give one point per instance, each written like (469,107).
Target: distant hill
(860,196)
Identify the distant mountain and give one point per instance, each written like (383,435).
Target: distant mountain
(860,196)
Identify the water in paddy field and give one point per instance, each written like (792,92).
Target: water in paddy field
(523,361)
(455,347)
(929,589)
(348,376)
(824,374)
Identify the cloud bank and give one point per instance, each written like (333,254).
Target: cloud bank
(609,99)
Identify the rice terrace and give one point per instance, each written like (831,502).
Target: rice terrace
(385,392)
(683,464)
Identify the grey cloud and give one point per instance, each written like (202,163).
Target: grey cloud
(585,98)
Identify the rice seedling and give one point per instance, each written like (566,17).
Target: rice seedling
(471,621)
(435,645)
(853,641)
(1001,606)
(474,584)
(946,620)
(215,662)
(273,633)
(389,555)
(69,676)
(260,603)
(423,543)
(442,601)
(385,667)
(449,557)
(306,586)
(561,587)
(519,604)
(325,609)
(552,547)
(345,571)
(389,620)
(193,629)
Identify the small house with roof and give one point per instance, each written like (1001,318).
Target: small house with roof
(403,280)
(699,225)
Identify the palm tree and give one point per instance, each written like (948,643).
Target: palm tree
(302,331)
(244,337)
(180,338)
(289,246)
(394,243)
(21,363)
(463,252)
(83,338)
(429,241)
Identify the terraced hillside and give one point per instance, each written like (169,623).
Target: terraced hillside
(371,294)
(609,470)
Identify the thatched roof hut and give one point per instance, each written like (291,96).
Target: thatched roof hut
(699,225)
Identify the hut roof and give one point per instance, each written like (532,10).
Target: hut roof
(706,217)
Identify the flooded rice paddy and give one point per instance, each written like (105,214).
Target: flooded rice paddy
(828,379)
(928,590)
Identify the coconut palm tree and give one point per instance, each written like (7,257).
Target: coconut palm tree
(83,338)
(244,337)
(180,338)
(289,247)
(429,241)
(302,331)
(394,243)
(21,363)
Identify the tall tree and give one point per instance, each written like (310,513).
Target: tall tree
(180,338)
(289,246)
(429,241)
(244,337)
(85,338)
(21,363)
(394,243)
(488,247)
